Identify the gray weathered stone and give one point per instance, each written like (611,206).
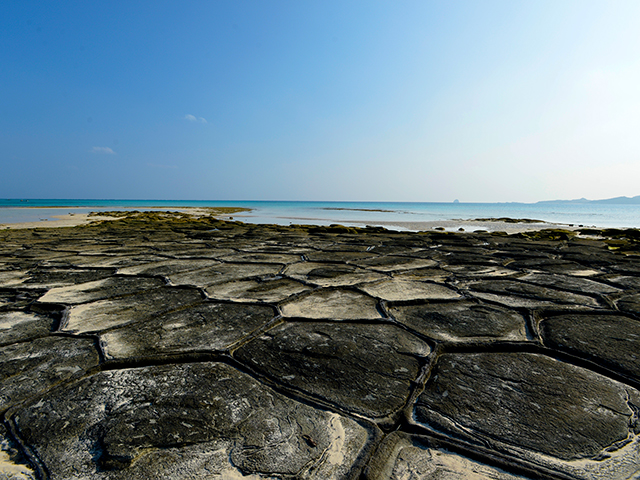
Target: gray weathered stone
(462,321)
(99,290)
(207,327)
(186,421)
(31,368)
(544,405)
(22,326)
(104,314)
(329,275)
(224,272)
(332,304)
(402,290)
(272,290)
(612,340)
(367,369)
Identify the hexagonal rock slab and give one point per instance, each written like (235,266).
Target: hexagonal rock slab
(392,263)
(462,321)
(99,290)
(339,256)
(263,258)
(23,326)
(269,290)
(207,327)
(612,340)
(629,303)
(404,456)
(186,421)
(519,294)
(479,270)
(332,304)
(113,261)
(10,277)
(398,290)
(364,368)
(574,284)
(225,272)
(327,275)
(528,402)
(104,314)
(58,277)
(167,267)
(28,369)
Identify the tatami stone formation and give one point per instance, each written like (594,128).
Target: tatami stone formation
(171,347)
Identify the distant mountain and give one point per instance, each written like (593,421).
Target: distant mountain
(617,200)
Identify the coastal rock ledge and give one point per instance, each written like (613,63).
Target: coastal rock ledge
(170,347)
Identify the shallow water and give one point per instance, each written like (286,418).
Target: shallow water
(598,215)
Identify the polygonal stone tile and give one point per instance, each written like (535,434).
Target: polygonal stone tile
(204,420)
(392,263)
(112,261)
(613,340)
(204,327)
(404,456)
(22,326)
(328,275)
(58,277)
(462,321)
(398,290)
(224,272)
(104,314)
(30,368)
(201,252)
(540,263)
(629,303)
(364,368)
(338,256)
(269,290)
(424,274)
(569,283)
(544,405)
(262,258)
(12,277)
(512,293)
(623,281)
(479,270)
(332,304)
(100,289)
(277,247)
(167,267)
(468,257)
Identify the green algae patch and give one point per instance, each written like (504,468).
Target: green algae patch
(619,240)
(547,234)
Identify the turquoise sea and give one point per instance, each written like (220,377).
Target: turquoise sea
(321,213)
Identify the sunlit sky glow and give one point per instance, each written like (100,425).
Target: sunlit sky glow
(483,101)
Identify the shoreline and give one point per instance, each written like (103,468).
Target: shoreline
(483,217)
(78,219)
(469,226)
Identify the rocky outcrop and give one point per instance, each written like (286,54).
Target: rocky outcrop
(186,348)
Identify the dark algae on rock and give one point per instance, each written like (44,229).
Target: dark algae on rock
(166,346)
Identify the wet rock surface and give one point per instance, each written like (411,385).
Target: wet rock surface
(196,348)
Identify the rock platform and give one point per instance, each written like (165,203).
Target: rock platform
(161,346)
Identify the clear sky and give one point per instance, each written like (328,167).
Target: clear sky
(481,101)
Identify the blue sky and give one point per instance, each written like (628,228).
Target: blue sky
(320,100)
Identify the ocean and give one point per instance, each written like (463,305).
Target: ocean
(356,213)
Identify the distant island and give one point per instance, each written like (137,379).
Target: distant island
(617,200)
